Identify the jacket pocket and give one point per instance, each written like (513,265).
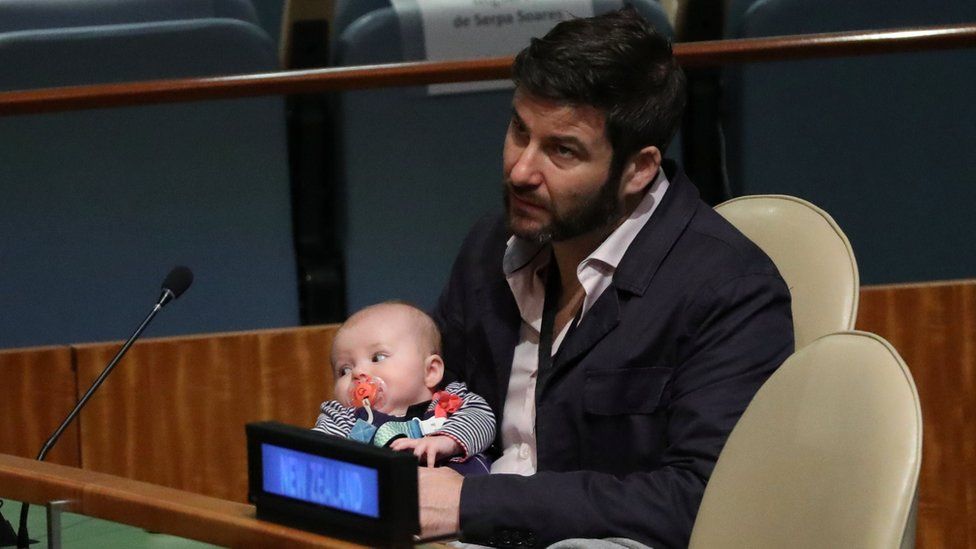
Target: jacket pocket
(624,391)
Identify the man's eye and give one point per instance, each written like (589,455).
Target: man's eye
(379,357)
(565,152)
(517,127)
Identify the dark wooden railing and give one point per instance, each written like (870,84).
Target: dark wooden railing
(693,54)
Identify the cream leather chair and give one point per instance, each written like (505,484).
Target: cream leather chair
(826,455)
(812,254)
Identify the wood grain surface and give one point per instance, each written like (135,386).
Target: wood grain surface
(173,411)
(933,327)
(150,506)
(37,390)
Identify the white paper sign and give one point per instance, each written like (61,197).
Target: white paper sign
(468,29)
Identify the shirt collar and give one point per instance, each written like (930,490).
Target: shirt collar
(519,252)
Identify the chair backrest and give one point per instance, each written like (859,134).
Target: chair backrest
(270,14)
(18,15)
(827,454)
(98,205)
(417,170)
(348,11)
(882,142)
(812,254)
(735,11)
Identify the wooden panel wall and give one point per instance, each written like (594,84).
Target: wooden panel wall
(37,390)
(933,327)
(173,411)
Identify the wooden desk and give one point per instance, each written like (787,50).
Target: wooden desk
(149,506)
(175,403)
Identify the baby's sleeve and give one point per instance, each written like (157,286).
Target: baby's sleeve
(472,425)
(335,419)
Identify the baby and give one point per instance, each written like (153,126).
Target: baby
(387,369)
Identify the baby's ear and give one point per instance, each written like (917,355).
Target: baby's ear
(433,371)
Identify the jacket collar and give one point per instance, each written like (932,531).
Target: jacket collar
(658,236)
(633,275)
(638,266)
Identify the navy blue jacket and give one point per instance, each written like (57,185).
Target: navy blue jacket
(643,393)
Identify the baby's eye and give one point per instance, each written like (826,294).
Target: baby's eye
(379,357)
(344,370)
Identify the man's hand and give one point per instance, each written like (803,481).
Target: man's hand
(440,500)
(433,448)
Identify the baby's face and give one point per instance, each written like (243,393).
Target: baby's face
(382,342)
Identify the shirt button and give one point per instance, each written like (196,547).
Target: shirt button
(524,451)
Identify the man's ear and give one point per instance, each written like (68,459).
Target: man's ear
(640,171)
(433,371)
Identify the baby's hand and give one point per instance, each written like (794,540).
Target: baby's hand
(433,447)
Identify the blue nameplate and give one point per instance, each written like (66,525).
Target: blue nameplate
(333,486)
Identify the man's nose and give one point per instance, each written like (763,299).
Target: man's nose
(526,170)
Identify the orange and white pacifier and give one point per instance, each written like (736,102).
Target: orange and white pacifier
(367,392)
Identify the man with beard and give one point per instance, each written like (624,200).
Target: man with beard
(617,325)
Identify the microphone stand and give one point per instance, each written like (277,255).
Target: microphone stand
(8,538)
(23,538)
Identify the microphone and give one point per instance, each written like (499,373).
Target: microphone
(175,283)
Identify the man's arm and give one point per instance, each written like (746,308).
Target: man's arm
(740,333)
(448,315)
(484,245)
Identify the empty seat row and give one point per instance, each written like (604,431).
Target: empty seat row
(878,141)
(99,204)
(882,141)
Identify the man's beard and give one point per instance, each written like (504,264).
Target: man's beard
(593,213)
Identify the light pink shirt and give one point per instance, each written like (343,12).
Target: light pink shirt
(523,263)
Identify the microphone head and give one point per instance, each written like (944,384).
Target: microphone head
(178,280)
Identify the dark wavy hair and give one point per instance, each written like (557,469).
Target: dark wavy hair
(617,63)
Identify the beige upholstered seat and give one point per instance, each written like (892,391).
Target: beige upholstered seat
(812,254)
(826,455)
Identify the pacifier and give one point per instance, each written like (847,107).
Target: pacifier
(367,392)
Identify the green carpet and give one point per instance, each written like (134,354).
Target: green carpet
(81,532)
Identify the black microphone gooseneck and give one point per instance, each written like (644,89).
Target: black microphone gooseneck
(176,282)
